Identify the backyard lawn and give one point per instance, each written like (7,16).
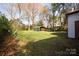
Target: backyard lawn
(43,43)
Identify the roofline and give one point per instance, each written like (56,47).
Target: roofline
(72,12)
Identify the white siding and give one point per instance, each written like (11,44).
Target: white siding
(71,24)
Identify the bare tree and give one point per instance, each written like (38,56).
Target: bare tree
(11,11)
(30,10)
(43,14)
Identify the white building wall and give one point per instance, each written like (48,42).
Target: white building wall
(71,24)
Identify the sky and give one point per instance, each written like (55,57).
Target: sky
(3,7)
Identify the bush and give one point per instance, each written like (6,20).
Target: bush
(5,28)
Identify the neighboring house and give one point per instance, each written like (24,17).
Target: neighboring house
(73,23)
(40,28)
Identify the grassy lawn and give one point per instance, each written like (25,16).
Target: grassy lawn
(40,35)
(43,43)
(34,35)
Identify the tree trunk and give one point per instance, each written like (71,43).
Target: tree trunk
(53,22)
(28,23)
(33,23)
(60,21)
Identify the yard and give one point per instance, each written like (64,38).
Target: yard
(39,29)
(43,43)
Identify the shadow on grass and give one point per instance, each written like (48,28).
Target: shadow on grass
(53,46)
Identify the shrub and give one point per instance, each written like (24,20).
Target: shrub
(5,28)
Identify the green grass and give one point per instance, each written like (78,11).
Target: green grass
(34,35)
(43,43)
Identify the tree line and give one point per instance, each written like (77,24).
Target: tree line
(50,16)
